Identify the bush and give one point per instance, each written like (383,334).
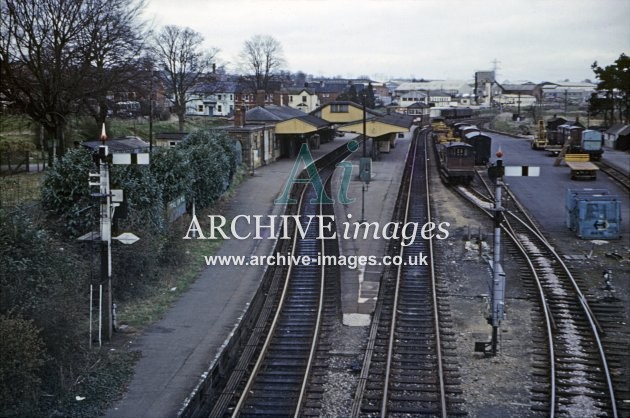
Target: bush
(43,282)
(23,355)
(66,193)
(213,164)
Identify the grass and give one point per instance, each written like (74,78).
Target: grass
(176,279)
(20,188)
(20,131)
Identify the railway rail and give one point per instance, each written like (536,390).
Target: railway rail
(615,174)
(275,380)
(272,362)
(571,362)
(406,368)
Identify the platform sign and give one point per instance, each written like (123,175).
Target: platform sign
(521,171)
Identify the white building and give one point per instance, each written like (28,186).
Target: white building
(303,99)
(211,99)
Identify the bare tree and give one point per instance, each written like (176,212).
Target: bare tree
(48,56)
(261,58)
(117,61)
(178,51)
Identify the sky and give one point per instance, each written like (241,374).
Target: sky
(525,40)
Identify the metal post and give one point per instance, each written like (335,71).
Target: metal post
(498,277)
(364,130)
(100,317)
(91,308)
(362,202)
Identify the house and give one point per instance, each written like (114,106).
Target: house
(247,98)
(328,90)
(211,98)
(304,99)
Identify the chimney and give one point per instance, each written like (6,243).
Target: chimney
(214,68)
(239,117)
(260,98)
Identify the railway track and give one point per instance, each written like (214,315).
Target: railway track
(570,360)
(407,370)
(277,372)
(615,174)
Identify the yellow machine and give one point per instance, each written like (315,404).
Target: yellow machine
(540,138)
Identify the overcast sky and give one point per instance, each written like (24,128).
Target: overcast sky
(535,40)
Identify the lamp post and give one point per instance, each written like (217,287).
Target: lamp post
(365,163)
(364,122)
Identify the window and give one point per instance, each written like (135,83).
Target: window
(339,108)
(218,97)
(200,108)
(304,99)
(219,108)
(290,99)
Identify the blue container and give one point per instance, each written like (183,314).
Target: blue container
(594,214)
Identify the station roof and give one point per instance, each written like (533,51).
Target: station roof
(382,125)
(286,119)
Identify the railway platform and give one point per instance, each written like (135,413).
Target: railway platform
(359,287)
(177,349)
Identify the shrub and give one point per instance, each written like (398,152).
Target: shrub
(23,355)
(66,193)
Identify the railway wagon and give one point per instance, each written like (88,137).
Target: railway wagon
(457,162)
(569,133)
(464,130)
(590,143)
(457,128)
(551,128)
(456,113)
(482,145)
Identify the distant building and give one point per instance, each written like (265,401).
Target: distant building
(211,99)
(483,90)
(567,92)
(519,95)
(328,90)
(304,99)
